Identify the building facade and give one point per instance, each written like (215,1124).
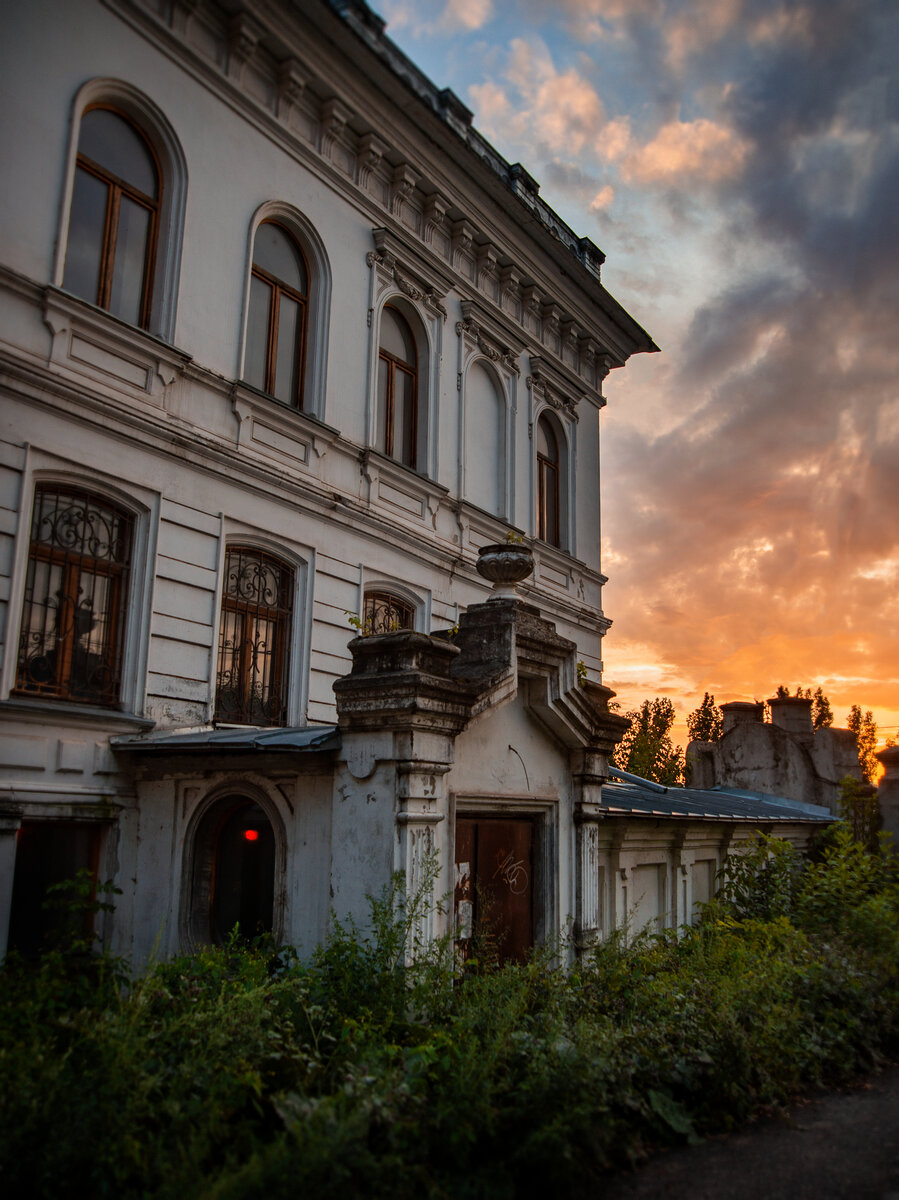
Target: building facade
(284,343)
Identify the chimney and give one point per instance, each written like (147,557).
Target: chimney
(742,712)
(793,714)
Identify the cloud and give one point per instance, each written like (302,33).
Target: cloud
(466,14)
(696,150)
(603,199)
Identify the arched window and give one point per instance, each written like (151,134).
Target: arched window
(114,217)
(548,490)
(254,639)
(76,589)
(397,389)
(276,322)
(386,613)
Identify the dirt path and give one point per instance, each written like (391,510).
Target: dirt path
(841,1144)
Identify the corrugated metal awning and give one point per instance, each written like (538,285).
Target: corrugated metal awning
(198,741)
(628,797)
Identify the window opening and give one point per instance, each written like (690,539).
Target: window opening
(242,889)
(114,217)
(547,484)
(276,322)
(385,613)
(76,587)
(254,639)
(397,388)
(48,853)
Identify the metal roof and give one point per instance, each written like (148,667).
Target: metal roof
(627,795)
(302,738)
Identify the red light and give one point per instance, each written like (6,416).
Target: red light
(252,835)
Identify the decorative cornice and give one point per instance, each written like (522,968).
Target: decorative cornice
(370,152)
(414,279)
(292,81)
(486,341)
(433,216)
(280,53)
(403,183)
(334,118)
(243,37)
(562,391)
(463,236)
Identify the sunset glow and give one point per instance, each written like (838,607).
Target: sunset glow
(738,162)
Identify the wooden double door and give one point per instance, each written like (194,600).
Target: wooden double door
(494,892)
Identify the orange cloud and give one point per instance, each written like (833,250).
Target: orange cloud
(603,199)
(696,150)
(467,14)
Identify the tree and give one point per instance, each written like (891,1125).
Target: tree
(646,749)
(706,723)
(863,726)
(822,714)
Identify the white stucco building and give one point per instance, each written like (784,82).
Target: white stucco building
(285,341)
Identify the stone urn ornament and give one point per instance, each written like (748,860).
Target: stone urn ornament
(505,564)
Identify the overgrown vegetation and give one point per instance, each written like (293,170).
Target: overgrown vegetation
(243,1072)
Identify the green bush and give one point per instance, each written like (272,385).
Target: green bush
(374,1070)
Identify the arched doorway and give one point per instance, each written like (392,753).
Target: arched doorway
(233,877)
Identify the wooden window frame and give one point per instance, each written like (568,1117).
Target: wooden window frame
(246,611)
(116,188)
(395,364)
(74,565)
(548,480)
(279,289)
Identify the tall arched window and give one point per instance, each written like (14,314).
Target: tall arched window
(71,644)
(276,322)
(254,639)
(548,490)
(114,217)
(397,389)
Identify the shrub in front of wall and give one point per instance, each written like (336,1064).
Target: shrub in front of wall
(241,1072)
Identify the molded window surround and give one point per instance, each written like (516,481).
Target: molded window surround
(138,227)
(305,345)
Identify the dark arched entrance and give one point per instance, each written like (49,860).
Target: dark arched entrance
(233,879)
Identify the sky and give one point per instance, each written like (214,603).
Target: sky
(738,163)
